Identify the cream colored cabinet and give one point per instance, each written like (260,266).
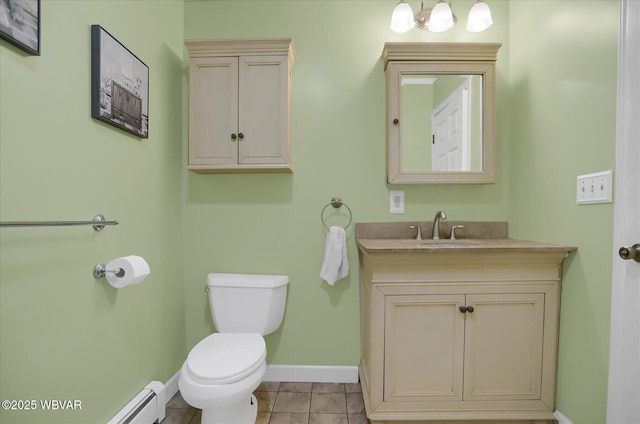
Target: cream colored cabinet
(463,347)
(459,334)
(240,105)
(423,361)
(440,112)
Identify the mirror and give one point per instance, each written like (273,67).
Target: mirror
(440,112)
(441,122)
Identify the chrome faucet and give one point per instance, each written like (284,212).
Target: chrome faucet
(419,231)
(435,231)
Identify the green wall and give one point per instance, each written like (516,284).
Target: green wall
(63,334)
(563,86)
(271,223)
(560,97)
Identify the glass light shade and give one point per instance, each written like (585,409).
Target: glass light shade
(402,18)
(441,17)
(479,17)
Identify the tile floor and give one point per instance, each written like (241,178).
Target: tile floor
(291,403)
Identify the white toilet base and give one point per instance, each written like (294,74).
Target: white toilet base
(231,403)
(244,412)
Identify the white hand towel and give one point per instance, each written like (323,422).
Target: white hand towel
(336,264)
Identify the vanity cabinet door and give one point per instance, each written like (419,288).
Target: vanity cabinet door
(474,347)
(424,348)
(503,346)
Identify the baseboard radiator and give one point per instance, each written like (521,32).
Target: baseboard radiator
(148,407)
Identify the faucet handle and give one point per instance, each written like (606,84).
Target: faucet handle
(452,236)
(419,233)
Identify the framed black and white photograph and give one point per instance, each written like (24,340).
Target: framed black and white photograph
(119,84)
(20,24)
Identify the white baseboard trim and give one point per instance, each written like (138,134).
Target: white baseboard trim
(312,373)
(562,419)
(171,387)
(293,373)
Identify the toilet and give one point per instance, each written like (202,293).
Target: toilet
(222,370)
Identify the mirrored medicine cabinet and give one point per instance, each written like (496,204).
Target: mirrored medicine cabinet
(440,112)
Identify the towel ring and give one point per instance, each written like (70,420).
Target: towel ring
(336,202)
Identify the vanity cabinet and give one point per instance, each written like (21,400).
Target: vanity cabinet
(240,105)
(462,333)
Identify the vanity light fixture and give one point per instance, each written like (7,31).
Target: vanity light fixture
(402,18)
(439,18)
(479,17)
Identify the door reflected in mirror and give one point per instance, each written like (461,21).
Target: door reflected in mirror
(441,122)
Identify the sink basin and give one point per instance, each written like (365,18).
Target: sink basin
(426,243)
(447,241)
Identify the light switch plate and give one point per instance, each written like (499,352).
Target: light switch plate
(594,188)
(396,201)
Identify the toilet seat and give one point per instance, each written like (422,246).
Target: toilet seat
(223,358)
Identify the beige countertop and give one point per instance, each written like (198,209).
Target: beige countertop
(461,245)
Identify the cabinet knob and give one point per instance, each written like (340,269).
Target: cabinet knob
(233,137)
(396,121)
(470,309)
(241,136)
(465,309)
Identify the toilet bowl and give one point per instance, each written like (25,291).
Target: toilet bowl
(220,375)
(222,370)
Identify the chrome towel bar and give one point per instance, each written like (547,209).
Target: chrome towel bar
(98,222)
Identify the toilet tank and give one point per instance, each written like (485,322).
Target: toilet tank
(247,303)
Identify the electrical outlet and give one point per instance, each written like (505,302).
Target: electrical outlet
(396,201)
(594,188)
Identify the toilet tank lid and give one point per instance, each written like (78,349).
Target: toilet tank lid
(246,280)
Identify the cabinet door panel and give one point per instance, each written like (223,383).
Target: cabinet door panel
(213,114)
(503,347)
(423,348)
(264,110)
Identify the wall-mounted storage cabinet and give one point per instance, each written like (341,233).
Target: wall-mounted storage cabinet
(240,105)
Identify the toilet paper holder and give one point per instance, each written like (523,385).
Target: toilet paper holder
(100,270)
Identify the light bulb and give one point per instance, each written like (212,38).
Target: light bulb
(479,17)
(402,18)
(441,17)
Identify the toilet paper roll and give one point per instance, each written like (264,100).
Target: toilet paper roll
(135,270)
